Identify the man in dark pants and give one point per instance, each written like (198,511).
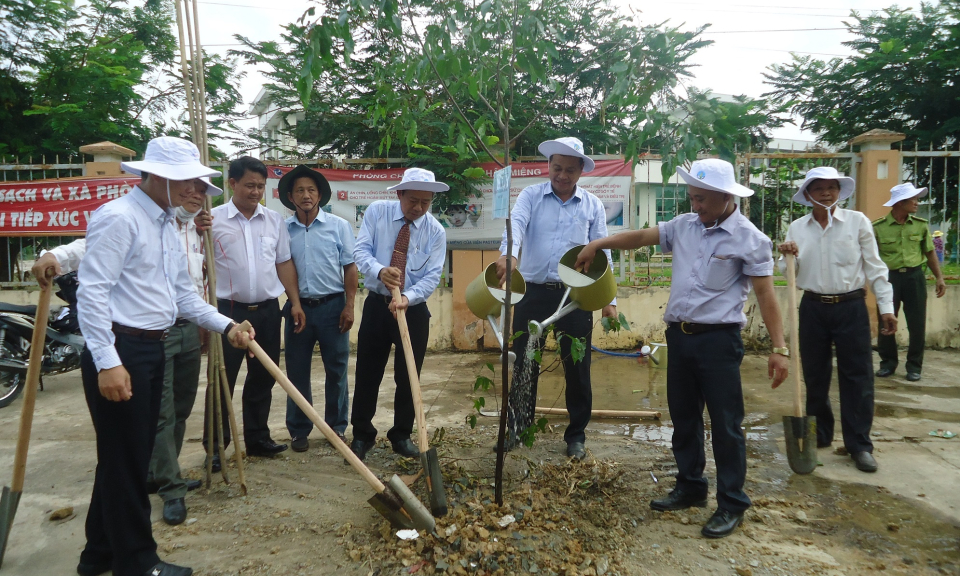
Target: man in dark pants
(548,219)
(400,245)
(718,255)
(836,255)
(321,245)
(252,253)
(133,285)
(905,243)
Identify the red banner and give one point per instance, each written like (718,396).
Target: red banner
(56,207)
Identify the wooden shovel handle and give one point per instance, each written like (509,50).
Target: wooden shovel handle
(300,401)
(794,333)
(423,444)
(30,391)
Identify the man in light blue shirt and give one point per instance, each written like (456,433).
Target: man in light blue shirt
(400,245)
(321,245)
(718,254)
(549,219)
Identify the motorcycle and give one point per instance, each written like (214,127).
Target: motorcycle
(61,348)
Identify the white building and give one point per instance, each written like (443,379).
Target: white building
(276,125)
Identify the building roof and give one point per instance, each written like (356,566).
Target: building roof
(106,148)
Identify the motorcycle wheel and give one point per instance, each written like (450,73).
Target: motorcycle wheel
(11,381)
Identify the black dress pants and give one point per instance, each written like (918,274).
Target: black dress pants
(118,526)
(909,289)
(378,332)
(258,386)
(704,369)
(846,326)
(539,303)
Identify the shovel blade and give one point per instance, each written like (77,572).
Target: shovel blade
(800,433)
(390,509)
(438,496)
(422,520)
(8,509)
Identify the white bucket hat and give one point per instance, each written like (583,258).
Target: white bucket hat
(847,185)
(419,179)
(173,159)
(716,175)
(904,191)
(211,189)
(567,146)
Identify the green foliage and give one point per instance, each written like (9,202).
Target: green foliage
(483,383)
(615,324)
(101,70)
(903,75)
(529,435)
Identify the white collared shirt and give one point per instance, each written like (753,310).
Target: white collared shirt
(134,272)
(841,258)
(247,252)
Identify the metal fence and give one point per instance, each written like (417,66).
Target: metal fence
(938,169)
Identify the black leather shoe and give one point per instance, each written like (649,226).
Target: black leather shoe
(722,523)
(884,372)
(405,448)
(361,447)
(679,500)
(576,451)
(300,444)
(265,448)
(164,569)
(913,376)
(193,485)
(93,569)
(174,511)
(865,462)
(215,465)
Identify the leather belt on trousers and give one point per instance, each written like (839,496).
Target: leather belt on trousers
(251,307)
(693,328)
(905,270)
(181,322)
(836,298)
(550,285)
(140,332)
(312,302)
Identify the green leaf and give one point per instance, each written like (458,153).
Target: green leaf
(473,420)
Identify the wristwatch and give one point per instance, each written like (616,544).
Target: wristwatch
(230,327)
(783,351)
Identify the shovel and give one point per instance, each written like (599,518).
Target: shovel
(394,501)
(428,455)
(799,431)
(11,495)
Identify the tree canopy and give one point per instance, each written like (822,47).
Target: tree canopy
(904,76)
(73,74)
(469,80)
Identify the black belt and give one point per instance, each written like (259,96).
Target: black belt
(181,322)
(312,302)
(905,270)
(381,297)
(140,332)
(550,285)
(251,307)
(835,298)
(693,328)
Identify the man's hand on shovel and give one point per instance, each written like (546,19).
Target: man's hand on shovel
(240,335)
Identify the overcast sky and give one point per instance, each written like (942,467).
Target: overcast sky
(749,35)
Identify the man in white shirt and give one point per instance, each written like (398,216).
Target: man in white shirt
(133,286)
(252,253)
(182,352)
(836,255)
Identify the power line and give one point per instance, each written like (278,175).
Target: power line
(765,31)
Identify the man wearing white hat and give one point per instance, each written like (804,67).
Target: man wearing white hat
(134,284)
(182,352)
(400,245)
(549,219)
(836,255)
(905,242)
(718,255)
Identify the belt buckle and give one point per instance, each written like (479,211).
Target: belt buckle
(683,328)
(253,308)
(829,299)
(165,334)
(901,270)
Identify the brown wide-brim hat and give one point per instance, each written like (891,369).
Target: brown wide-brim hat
(302,171)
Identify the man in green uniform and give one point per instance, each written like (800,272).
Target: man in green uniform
(905,241)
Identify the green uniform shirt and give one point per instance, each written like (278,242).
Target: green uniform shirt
(902,245)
